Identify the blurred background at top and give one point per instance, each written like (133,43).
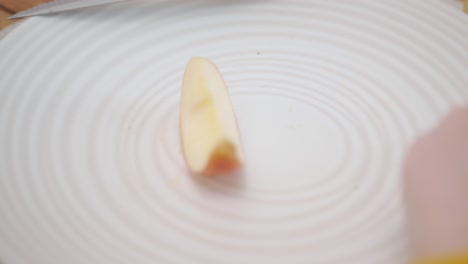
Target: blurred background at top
(10,7)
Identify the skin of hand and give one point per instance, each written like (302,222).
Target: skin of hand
(436,189)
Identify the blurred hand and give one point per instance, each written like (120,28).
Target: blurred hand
(436,178)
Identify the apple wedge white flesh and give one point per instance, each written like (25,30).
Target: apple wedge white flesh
(210,136)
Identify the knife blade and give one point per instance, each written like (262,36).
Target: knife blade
(61,5)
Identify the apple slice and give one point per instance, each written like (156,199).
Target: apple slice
(210,136)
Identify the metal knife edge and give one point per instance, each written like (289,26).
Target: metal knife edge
(57,6)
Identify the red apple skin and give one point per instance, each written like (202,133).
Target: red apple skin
(223,161)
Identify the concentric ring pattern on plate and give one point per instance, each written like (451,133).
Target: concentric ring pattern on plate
(329,94)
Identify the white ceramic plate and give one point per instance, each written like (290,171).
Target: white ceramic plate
(328,94)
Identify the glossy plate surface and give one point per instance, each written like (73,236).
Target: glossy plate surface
(328,95)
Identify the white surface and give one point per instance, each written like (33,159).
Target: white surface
(328,95)
(8,29)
